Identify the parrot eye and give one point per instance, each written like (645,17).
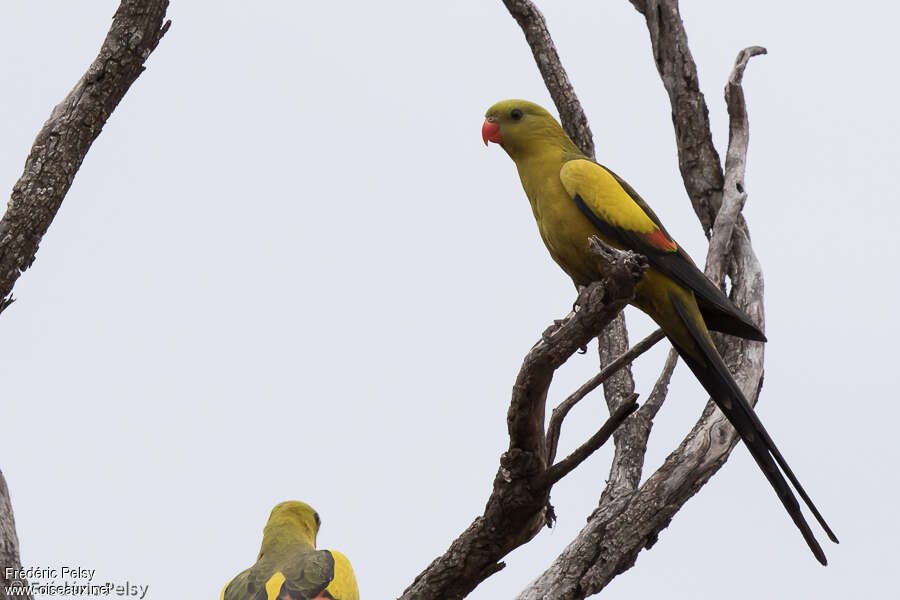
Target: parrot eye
(516,114)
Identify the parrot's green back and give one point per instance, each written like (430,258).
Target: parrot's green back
(289,567)
(573,198)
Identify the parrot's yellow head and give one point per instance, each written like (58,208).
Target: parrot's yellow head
(293,520)
(522,127)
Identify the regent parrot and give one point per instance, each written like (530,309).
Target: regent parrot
(573,198)
(289,567)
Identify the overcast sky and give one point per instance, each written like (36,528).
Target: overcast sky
(289,269)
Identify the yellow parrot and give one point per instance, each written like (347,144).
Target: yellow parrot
(572,198)
(289,567)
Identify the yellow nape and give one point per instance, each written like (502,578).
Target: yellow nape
(343,586)
(273,586)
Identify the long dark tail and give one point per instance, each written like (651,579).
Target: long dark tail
(718,382)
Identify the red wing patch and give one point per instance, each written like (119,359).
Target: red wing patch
(660,241)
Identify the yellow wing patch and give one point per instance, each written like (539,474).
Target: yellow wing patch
(605,197)
(273,586)
(343,586)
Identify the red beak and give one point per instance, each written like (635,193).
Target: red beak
(490,132)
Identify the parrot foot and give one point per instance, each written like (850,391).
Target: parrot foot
(576,306)
(549,516)
(584,293)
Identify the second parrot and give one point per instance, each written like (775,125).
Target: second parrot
(289,567)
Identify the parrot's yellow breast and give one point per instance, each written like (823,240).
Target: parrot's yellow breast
(564,230)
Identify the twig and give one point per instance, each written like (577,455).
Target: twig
(566,465)
(559,413)
(660,389)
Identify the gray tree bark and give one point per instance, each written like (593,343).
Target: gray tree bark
(55,157)
(9,544)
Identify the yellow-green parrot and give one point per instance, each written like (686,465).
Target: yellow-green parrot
(289,567)
(573,198)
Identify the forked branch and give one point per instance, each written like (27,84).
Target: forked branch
(518,506)
(559,413)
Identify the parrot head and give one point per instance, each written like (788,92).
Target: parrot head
(293,520)
(520,126)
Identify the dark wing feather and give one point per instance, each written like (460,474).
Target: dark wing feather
(717,380)
(308,578)
(666,256)
(306,574)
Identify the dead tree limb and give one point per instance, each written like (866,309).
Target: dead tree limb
(734,195)
(571,115)
(519,504)
(55,157)
(697,156)
(66,137)
(559,413)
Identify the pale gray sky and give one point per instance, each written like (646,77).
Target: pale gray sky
(289,269)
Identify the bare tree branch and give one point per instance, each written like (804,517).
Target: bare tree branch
(571,115)
(660,389)
(559,413)
(55,157)
(66,137)
(734,194)
(517,508)
(580,454)
(697,156)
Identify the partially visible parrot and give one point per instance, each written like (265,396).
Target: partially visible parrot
(573,198)
(289,567)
